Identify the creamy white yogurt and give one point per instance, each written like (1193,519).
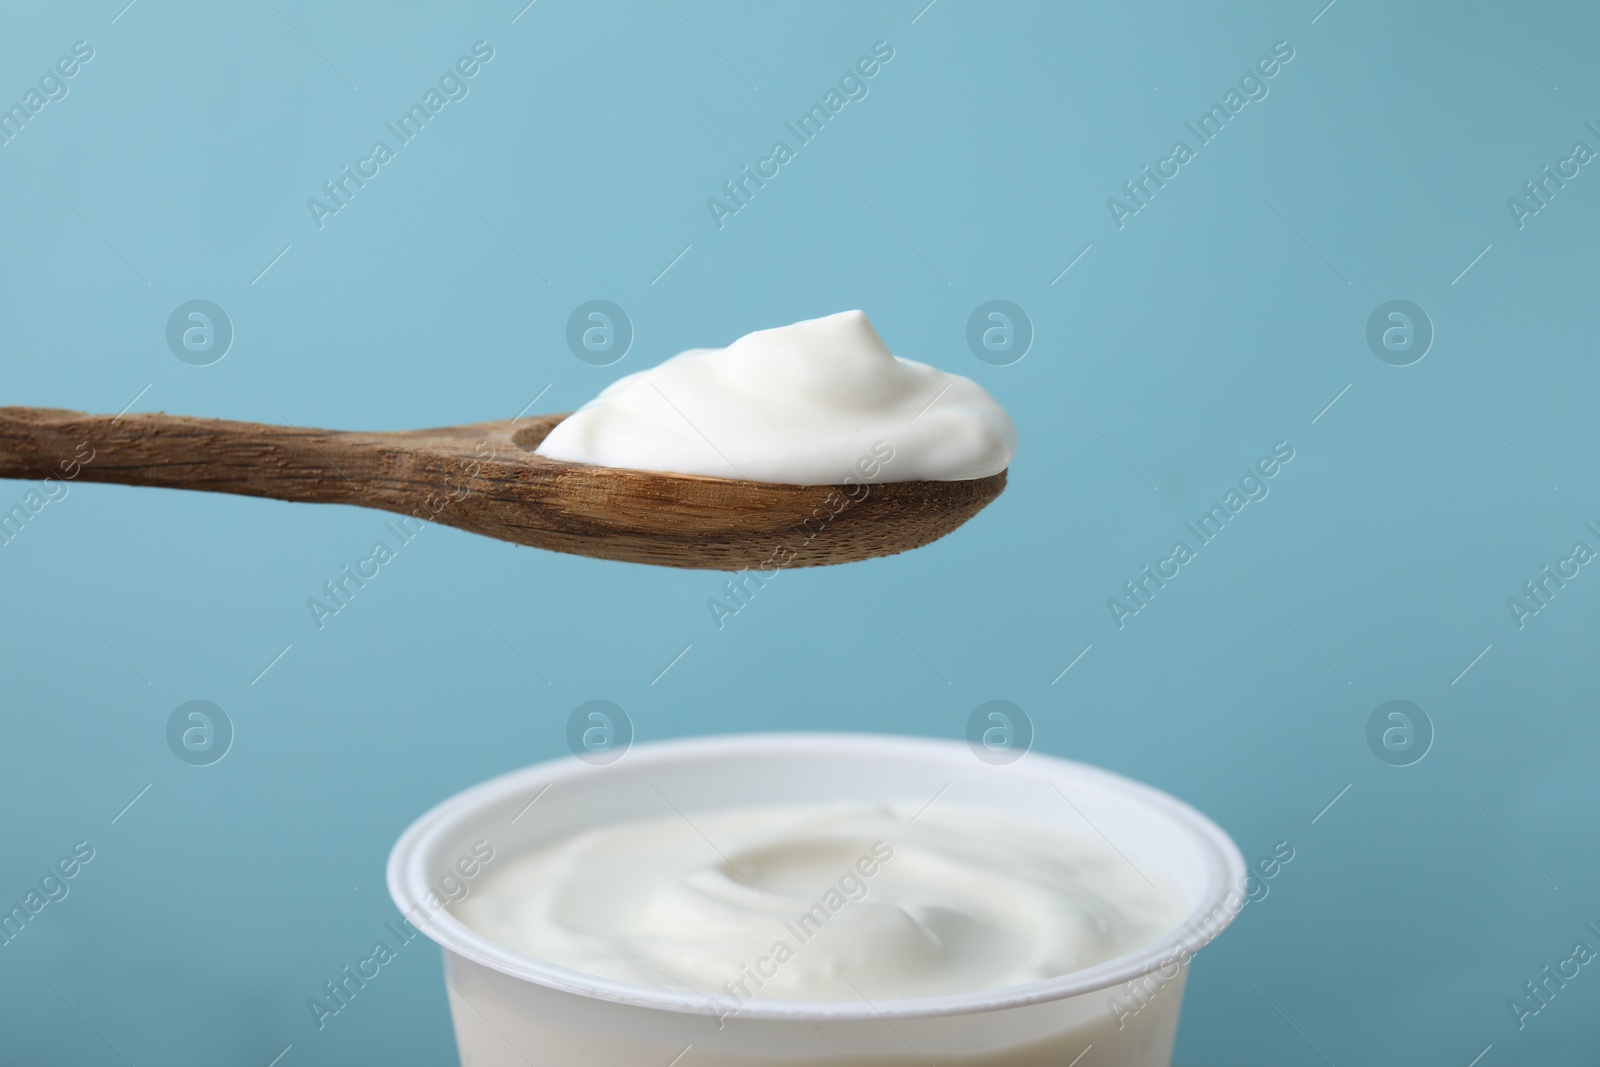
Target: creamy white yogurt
(799,405)
(825,902)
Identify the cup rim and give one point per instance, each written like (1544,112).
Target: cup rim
(409,884)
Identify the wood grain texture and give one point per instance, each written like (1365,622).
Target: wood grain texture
(486,479)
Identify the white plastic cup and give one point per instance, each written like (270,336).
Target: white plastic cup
(511,1010)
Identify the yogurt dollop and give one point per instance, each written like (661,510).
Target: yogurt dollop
(800,405)
(825,902)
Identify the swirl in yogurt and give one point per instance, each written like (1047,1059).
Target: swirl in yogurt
(825,902)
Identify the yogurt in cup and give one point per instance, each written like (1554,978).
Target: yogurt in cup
(511,1009)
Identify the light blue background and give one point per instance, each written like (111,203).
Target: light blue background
(1213,325)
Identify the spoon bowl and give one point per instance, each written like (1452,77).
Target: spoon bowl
(486,478)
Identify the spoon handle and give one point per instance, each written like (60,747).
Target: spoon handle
(213,455)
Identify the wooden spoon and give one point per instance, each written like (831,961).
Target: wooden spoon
(486,479)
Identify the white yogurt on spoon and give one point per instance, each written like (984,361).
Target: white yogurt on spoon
(800,405)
